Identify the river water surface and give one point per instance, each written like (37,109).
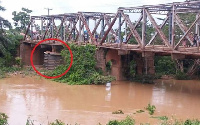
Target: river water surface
(44,100)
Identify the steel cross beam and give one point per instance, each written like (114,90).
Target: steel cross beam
(47,28)
(198,17)
(73,28)
(158,29)
(109,28)
(82,18)
(184,28)
(132,28)
(95,28)
(156,33)
(60,27)
(136,24)
(108,23)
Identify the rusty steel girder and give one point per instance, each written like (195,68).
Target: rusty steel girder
(148,14)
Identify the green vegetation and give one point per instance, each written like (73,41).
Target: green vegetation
(57,122)
(21,19)
(3,119)
(151,109)
(127,121)
(118,112)
(9,44)
(83,70)
(108,66)
(164,65)
(181,76)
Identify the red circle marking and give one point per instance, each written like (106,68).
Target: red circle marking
(51,77)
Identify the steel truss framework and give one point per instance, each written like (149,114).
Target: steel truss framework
(71,26)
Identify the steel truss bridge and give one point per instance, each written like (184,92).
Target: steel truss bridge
(130,21)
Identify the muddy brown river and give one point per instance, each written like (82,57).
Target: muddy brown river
(44,101)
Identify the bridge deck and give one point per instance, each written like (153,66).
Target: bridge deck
(194,51)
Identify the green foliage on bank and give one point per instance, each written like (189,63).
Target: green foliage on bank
(83,69)
(164,65)
(127,121)
(3,119)
(9,44)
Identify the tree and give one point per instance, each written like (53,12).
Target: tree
(21,19)
(9,41)
(4,42)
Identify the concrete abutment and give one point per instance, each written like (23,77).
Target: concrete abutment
(46,56)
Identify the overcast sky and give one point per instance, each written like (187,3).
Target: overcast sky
(72,6)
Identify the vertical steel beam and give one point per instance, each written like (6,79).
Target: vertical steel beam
(80,35)
(125,30)
(31,29)
(102,27)
(197,27)
(109,28)
(144,21)
(173,26)
(119,27)
(73,29)
(170,26)
(41,31)
(52,27)
(64,32)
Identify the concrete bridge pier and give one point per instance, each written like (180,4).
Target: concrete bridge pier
(120,60)
(103,56)
(25,54)
(145,63)
(47,56)
(149,68)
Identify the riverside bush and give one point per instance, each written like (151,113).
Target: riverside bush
(127,121)
(83,68)
(3,119)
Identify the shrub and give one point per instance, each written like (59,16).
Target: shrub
(181,76)
(57,122)
(3,119)
(83,69)
(151,109)
(127,121)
